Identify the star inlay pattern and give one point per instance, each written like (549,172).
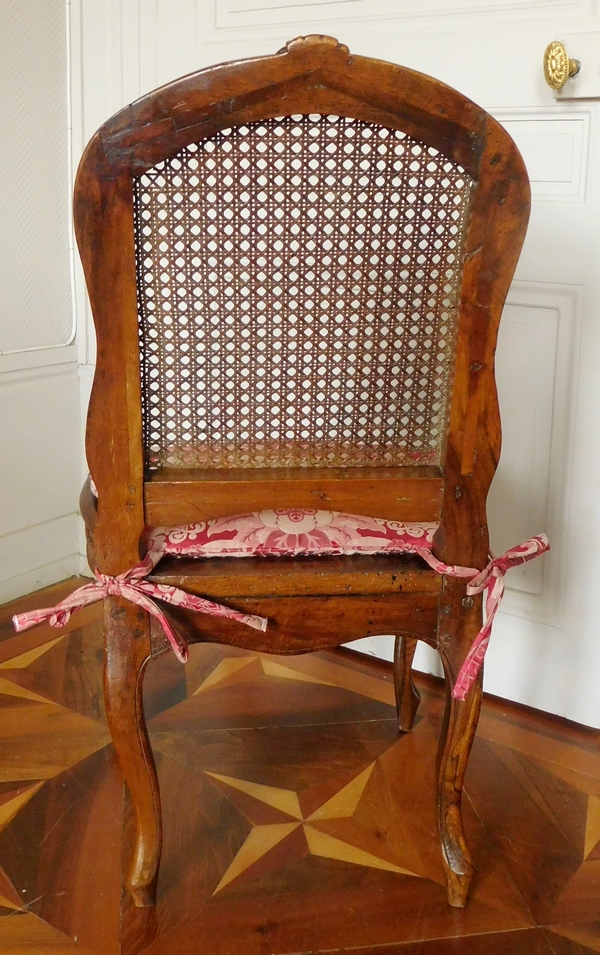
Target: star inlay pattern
(316,827)
(294,770)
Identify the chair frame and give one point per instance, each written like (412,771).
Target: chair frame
(313,74)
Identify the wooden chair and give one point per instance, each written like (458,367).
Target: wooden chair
(296,266)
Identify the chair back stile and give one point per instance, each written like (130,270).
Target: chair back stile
(499,221)
(296,268)
(103,214)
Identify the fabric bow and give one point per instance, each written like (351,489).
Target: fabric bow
(491,580)
(132,586)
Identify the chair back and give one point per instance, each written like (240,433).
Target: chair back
(297,266)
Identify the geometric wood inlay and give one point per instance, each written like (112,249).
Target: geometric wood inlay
(11,802)
(228,672)
(592,826)
(25,659)
(342,805)
(9,897)
(8,688)
(294,813)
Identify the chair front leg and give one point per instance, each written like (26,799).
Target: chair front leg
(127,640)
(407,695)
(456,740)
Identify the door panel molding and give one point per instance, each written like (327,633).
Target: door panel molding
(537,364)
(236,15)
(555,146)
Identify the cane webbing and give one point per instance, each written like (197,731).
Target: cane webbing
(297,285)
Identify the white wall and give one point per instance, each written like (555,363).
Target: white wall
(545,650)
(39,385)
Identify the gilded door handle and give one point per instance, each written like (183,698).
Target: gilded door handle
(558,68)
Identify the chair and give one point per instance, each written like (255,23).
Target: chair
(296,266)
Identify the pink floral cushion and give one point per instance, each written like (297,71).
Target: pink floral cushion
(290,532)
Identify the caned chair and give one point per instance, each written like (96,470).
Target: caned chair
(296,266)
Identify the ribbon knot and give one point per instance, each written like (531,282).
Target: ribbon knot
(479,583)
(491,580)
(111,586)
(57,619)
(133,586)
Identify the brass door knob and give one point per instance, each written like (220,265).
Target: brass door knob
(557,65)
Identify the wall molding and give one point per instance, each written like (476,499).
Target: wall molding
(554,143)
(40,358)
(35,259)
(231,17)
(39,371)
(39,430)
(547,605)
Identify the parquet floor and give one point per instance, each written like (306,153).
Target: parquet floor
(296,819)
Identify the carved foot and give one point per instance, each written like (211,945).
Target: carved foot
(458,887)
(143,896)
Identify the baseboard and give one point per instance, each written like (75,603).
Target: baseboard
(35,557)
(32,580)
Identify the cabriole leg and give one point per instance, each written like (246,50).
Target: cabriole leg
(407,695)
(458,732)
(127,638)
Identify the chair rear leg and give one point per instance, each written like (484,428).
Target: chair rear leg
(407,695)
(458,733)
(127,638)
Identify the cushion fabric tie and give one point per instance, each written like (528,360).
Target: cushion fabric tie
(133,587)
(288,533)
(490,580)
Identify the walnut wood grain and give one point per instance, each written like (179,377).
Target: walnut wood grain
(407,695)
(180,496)
(458,625)
(300,624)
(225,577)
(313,74)
(127,651)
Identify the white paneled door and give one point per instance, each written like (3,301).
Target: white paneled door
(546,645)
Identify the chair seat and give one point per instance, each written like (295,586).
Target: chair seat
(310,602)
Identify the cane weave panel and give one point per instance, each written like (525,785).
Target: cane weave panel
(297,288)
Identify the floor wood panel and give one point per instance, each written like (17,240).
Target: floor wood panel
(296,818)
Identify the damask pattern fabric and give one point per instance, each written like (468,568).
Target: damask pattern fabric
(292,533)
